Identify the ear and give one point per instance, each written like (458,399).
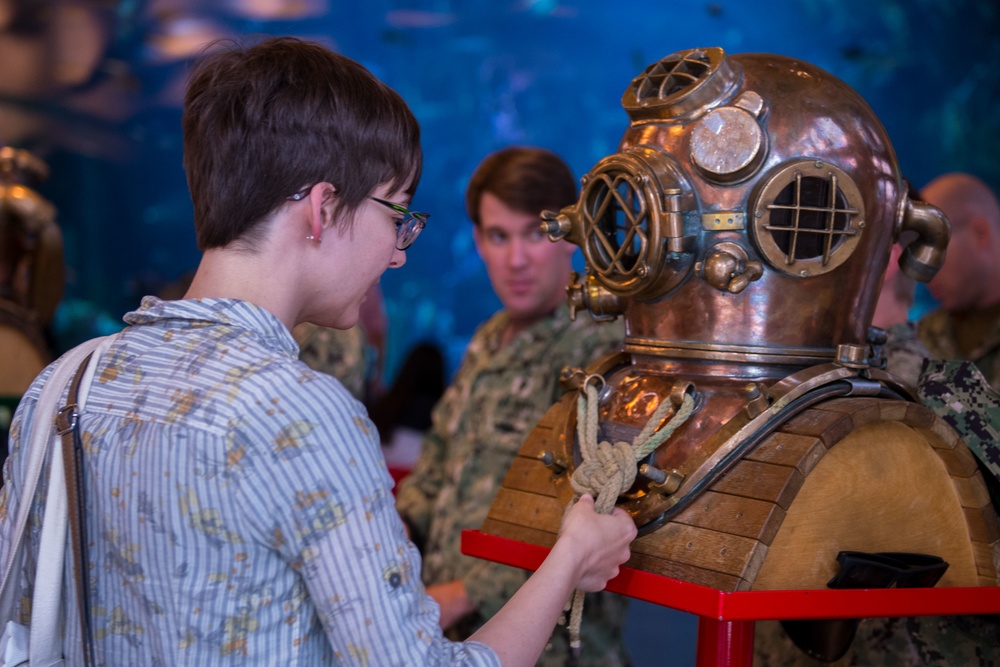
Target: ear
(320,210)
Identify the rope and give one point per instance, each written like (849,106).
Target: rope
(608,470)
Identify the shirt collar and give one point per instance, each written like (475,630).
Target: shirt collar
(231,312)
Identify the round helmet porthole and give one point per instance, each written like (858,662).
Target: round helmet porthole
(808,218)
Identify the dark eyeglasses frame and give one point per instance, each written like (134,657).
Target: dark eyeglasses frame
(408,227)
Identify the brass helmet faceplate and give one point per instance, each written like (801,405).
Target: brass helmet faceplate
(747,216)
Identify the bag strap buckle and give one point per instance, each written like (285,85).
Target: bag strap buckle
(66,418)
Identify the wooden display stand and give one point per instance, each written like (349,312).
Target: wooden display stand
(726,619)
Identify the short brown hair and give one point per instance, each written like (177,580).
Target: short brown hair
(525,178)
(262,121)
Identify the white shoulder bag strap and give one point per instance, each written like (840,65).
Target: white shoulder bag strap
(46,617)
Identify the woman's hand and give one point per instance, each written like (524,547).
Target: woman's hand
(599,543)
(586,556)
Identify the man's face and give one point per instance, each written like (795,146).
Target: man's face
(528,272)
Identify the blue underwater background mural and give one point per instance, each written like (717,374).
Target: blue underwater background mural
(94,89)
(479,75)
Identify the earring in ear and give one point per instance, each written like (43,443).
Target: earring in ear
(313,238)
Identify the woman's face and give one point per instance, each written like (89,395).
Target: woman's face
(362,252)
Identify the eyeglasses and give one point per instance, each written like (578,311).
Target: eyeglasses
(301,194)
(408,227)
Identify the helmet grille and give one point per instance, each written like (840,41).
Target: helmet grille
(671,75)
(617,224)
(808,218)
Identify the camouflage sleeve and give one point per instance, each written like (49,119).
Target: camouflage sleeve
(959,394)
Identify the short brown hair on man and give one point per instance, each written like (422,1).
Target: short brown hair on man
(525,178)
(257,128)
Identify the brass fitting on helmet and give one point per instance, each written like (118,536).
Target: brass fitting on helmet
(922,258)
(588,294)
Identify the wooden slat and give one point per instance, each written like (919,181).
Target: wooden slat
(530,475)
(763,481)
(541,439)
(527,509)
(861,410)
(960,462)
(520,533)
(787,449)
(919,416)
(893,410)
(949,436)
(982,524)
(756,519)
(935,440)
(555,417)
(720,552)
(972,492)
(829,427)
(689,573)
(985,564)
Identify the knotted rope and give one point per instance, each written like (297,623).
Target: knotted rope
(608,470)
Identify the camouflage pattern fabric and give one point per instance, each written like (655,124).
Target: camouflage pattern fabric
(937,332)
(341,353)
(916,641)
(958,393)
(479,425)
(904,352)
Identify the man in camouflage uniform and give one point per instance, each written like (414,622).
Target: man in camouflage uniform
(967,324)
(508,379)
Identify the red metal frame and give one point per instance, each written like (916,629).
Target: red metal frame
(726,619)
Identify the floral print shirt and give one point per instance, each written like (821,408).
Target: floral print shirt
(239,511)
